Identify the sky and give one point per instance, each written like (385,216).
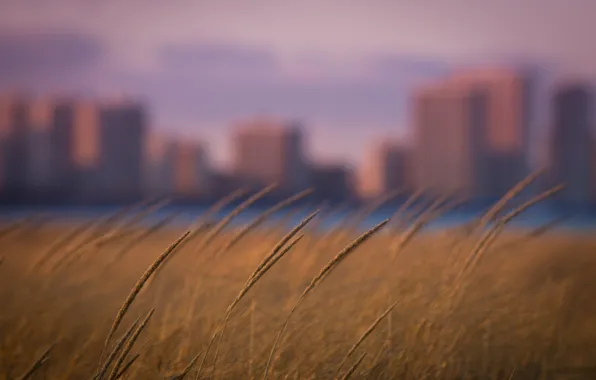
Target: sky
(345,68)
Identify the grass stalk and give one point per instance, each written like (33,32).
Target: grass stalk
(276,253)
(354,367)
(366,333)
(223,223)
(494,211)
(198,225)
(141,282)
(103,368)
(41,360)
(318,279)
(127,366)
(128,347)
(493,233)
(263,217)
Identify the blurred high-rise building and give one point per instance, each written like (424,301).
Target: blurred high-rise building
(223,182)
(509,114)
(14,125)
(331,182)
(592,159)
(384,170)
(86,144)
(177,168)
(122,132)
(267,151)
(495,109)
(191,174)
(50,167)
(572,144)
(158,164)
(448,155)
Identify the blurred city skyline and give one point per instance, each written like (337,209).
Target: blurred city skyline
(343,68)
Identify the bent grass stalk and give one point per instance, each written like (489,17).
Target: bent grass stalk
(141,236)
(223,223)
(199,223)
(366,211)
(60,243)
(316,280)
(329,215)
(14,226)
(492,213)
(37,364)
(91,231)
(85,233)
(422,219)
(141,282)
(262,218)
(417,209)
(99,233)
(228,218)
(283,241)
(536,232)
(384,346)
(187,369)
(103,368)
(127,366)
(352,224)
(128,347)
(492,234)
(143,213)
(314,227)
(398,214)
(261,269)
(368,331)
(104,222)
(455,294)
(20,225)
(119,232)
(123,212)
(354,367)
(252,282)
(288,218)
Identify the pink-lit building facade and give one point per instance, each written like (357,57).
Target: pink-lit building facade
(386,168)
(572,142)
(472,132)
(35,145)
(177,168)
(267,151)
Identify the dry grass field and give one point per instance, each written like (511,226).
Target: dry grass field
(401,304)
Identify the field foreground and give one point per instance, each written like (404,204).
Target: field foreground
(525,309)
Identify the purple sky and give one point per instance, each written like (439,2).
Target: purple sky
(344,67)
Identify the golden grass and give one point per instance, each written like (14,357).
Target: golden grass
(103,369)
(141,282)
(368,331)
(526,310)
(38,363)
(262,218)
(277,253)
(317,279)
(128,347)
